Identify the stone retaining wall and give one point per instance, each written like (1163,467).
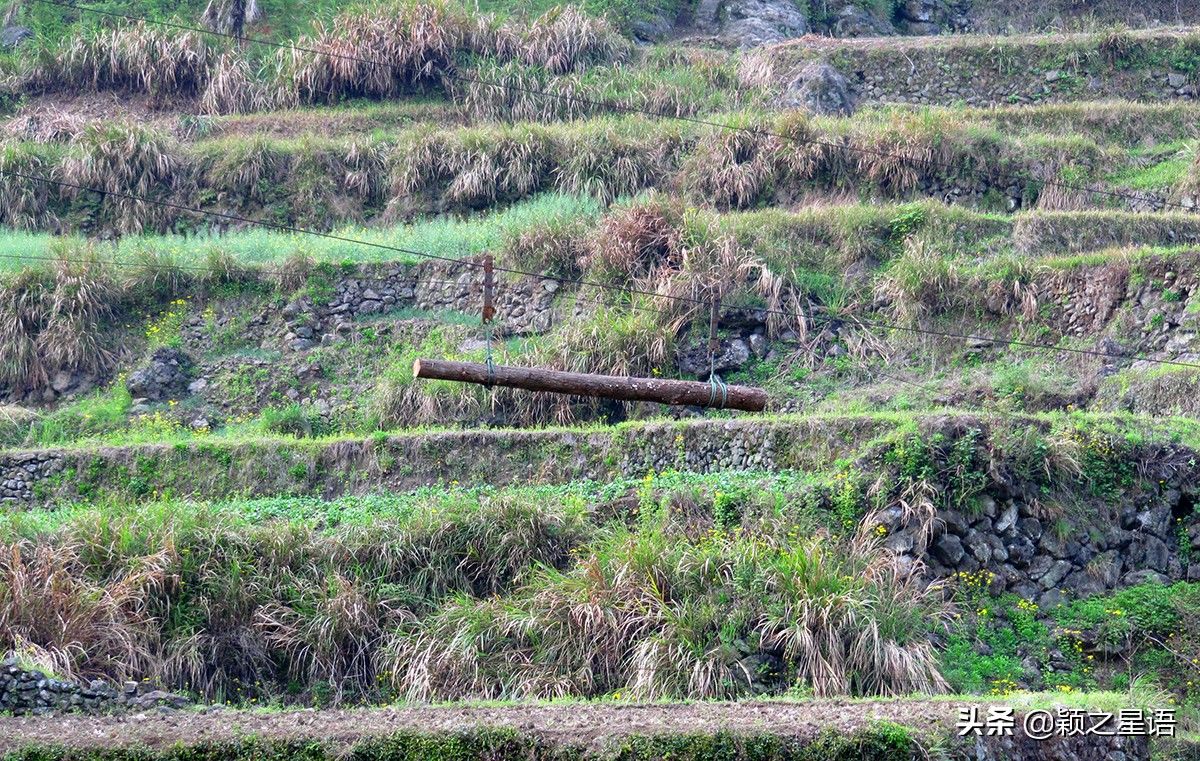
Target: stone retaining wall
(26,690)
(523,304)
(1048,558)
(986,72)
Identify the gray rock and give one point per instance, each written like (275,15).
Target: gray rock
(753,23)
(954,522)
(1144,576)
(1155,552)
(1021,551)
(14,35)
(977,544)
(900,543)
(165,376)
(1051,599)
(1030,527)
(820,89)
(855,21)
(652,29)
(1007,518)
(1039,566)
(63,381)
(1055,574)
(1083,584)
(733,355)
(949,550)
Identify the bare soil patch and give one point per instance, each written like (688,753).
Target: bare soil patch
(593,724)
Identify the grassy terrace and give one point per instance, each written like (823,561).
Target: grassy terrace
(395,577)
(324,182)
(974,482)
(916,266)
(647,586)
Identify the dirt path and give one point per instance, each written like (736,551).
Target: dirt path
(590,723)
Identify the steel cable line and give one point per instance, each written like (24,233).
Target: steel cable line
(613,106)
(605,286)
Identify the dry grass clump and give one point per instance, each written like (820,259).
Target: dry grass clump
(381,53)
(26,204)
(54,320)
(244,170)
(559,247)
(738,169)
(233,87)
(137,58)
(654,615)
(633,242)
(477,166)
(921,282)
(514,91)
(57,615)
(203,599)
(124,161)
(565,39)
(607,160)
(415,46)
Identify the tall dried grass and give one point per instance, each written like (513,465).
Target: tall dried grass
(55,319)
(476,166)
(566,39)
(401,50)
(137,57)
(202,599)
(639,614)
(26,204)
(54,612)
(127,162)
(232,87)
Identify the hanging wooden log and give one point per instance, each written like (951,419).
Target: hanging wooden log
(606,386)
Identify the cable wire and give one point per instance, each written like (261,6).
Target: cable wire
(605,286)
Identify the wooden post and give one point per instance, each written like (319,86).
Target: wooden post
(489,284)
(605,386)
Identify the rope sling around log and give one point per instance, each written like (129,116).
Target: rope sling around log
(664,391)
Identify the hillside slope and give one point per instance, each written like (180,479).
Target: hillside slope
(964,268)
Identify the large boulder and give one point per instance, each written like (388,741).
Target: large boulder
(752,23)
(856,21)
(165,376)
(820,89)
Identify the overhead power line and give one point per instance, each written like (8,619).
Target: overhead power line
(621,108)
(604,286)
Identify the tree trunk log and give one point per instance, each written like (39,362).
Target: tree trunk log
(607,386)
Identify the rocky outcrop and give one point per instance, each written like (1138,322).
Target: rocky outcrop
(751,23)
(26,690)
(165,376)
(819,89)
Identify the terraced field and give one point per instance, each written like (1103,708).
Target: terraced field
(963,266)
